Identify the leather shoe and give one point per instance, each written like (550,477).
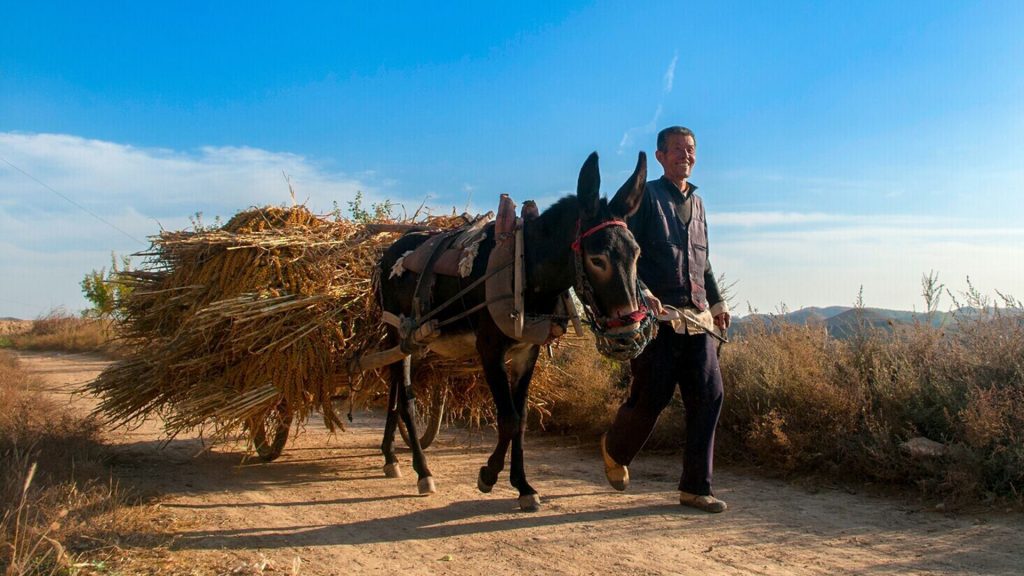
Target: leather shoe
(706,503)
(617,474)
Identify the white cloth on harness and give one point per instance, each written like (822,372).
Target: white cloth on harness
(467,243)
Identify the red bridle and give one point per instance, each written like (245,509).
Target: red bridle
(577,245)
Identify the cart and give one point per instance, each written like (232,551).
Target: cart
(269,432)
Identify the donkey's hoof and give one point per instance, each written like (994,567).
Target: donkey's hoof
(529,502)
(426,486)
(392,470)
(481,482)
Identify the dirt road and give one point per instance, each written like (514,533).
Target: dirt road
(326,508)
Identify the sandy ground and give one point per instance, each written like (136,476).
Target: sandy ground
(325,508)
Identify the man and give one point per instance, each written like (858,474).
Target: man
(671,230)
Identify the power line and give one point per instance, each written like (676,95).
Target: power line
(83,208)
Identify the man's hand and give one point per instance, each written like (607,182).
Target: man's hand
(654,304)
(723,320)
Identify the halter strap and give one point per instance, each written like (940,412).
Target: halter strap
(577,244)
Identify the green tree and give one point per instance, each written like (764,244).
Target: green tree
(377,212)
(106,289)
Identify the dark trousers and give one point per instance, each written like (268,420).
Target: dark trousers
(671,360)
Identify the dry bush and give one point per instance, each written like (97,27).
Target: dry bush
(990,420)
(56,502)
(9,327)
(590,388)
(797,400)
(61,330)
(783,398)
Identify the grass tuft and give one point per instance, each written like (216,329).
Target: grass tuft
(63,331)
(57,504)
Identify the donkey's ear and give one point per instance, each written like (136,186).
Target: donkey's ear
(627,199)
(588,189)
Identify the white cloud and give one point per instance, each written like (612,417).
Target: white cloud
(35,281)
(757,219)
(823,259)
(161,182)
(51,235)
(629,136)
(670,73)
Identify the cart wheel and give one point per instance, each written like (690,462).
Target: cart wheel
(429,416)
(270,432)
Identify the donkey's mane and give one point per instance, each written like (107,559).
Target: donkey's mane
(558,213)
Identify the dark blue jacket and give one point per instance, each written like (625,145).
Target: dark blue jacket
(673,252)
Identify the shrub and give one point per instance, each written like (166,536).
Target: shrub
(60,330)
(590,388)
(799,401)
(107,289)
(783,396)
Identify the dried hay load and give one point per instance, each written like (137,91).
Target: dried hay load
(229,323)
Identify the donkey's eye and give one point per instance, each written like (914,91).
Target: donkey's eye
(597,262)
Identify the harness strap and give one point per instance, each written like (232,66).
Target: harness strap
(425,282)
(577,244)
(460,294)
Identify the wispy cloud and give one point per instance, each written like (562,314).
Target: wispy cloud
(760,219)
(670,73)
(52,237)
(157,182)
(803,259)
(630,136)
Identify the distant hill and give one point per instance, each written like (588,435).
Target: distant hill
(847,323)
(803,315)
(843,321)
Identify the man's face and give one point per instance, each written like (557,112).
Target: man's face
(679,157)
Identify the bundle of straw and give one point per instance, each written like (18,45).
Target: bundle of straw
(230,323)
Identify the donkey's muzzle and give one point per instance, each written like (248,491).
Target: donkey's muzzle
(622,344)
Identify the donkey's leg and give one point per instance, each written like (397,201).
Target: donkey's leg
(407,411)
(521,365)
(492,358)
(387,446)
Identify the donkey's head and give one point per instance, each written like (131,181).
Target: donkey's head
(606,255)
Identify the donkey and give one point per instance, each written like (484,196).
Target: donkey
(581,241)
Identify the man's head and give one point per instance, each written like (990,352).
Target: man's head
(677,152)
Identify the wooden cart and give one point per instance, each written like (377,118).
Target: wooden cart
(269,432)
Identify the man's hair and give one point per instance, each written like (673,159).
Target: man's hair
(664,134)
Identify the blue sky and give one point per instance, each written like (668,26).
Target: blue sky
(840,144)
